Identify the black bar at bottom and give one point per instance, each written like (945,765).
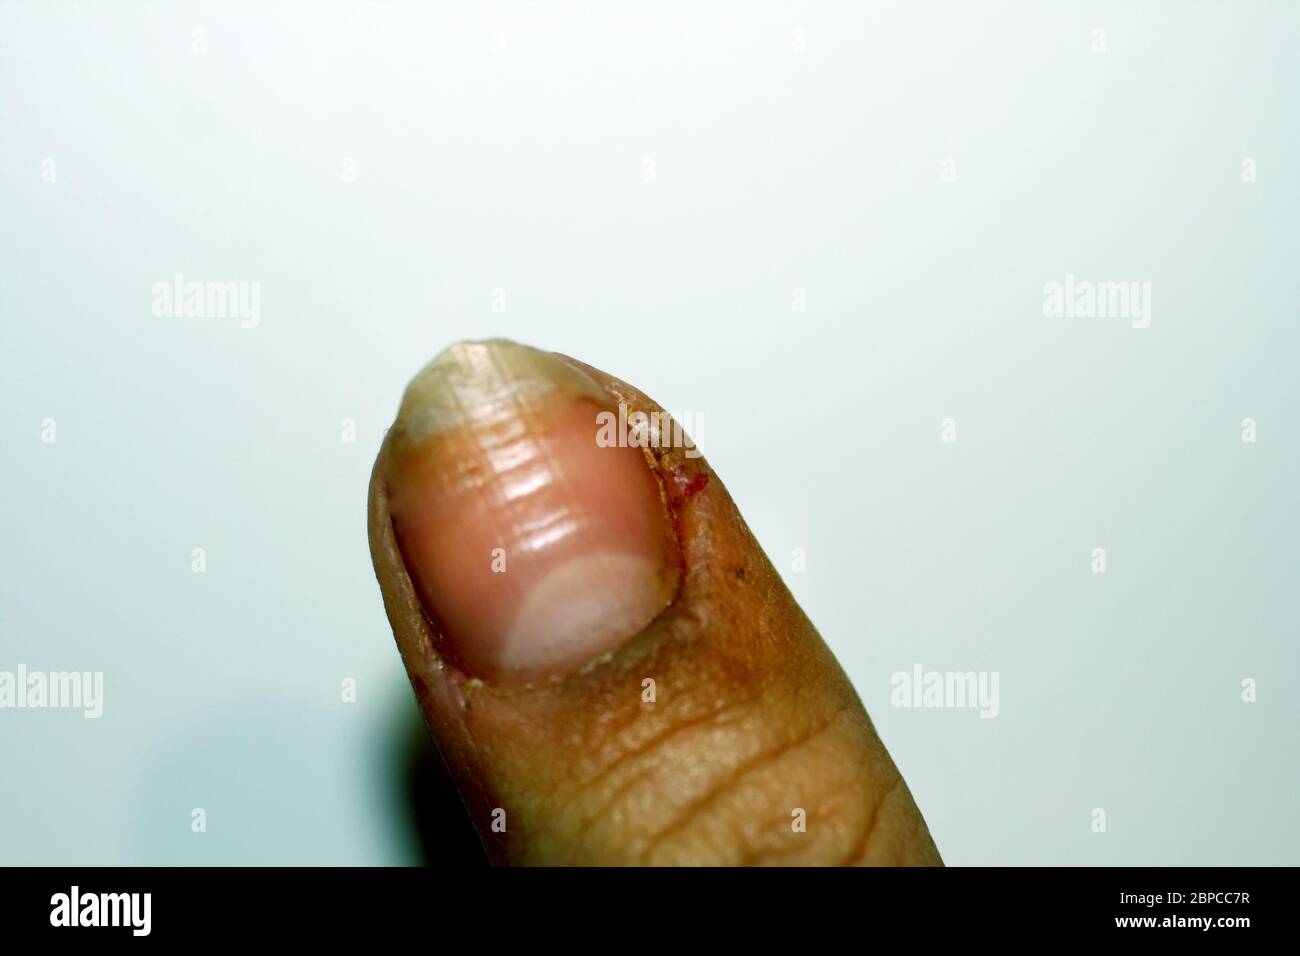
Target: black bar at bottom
(1222,905)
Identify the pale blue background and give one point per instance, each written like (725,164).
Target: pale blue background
(794,146)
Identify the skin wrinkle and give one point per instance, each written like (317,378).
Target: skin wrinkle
(721,715)
(729,785)
(756,851)
(750,838)
(651,746)
(858,852)
(852,786)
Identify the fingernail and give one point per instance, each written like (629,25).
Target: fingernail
(533,548)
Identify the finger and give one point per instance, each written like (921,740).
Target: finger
(612,669)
